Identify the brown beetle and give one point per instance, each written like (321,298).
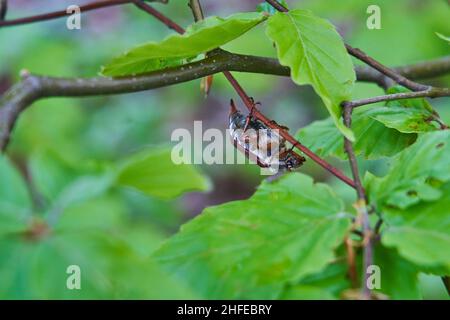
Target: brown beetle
(261,144)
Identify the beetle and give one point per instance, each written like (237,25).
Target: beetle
(260,143)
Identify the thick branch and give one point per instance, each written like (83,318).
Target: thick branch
(33,87)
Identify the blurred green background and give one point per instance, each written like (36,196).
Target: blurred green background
(58,141)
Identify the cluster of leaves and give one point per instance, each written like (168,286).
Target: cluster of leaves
(79,221)
(284,242)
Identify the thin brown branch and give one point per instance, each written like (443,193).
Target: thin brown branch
(62,13)
(361,206)
(155,13)
(431,93)
(351,155)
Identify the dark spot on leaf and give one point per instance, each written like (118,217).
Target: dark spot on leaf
(412,193)
(440,145)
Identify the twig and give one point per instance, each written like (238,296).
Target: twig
(62,13)
(155,13)
(417,71)
(431,93)
(360,206)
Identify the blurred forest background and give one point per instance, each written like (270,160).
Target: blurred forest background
(59,140)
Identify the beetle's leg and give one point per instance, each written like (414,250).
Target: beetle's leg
(279,125)
(250,115)
(291,149)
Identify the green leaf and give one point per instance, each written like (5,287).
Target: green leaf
(89,237)
(399,278)
(421,234)
(303,292)
(200,37)
(372,139)
(50,173)
(153,172)
(316,55)
(13,189)
(250,249)
(415,173)
(445,38)
(14,198)
(408,116)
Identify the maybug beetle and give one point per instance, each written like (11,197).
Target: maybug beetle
(261,144)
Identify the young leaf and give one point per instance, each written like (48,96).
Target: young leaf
(415,173)
(316,55)
(408,116)
(14,198)
(372,139)
(421,233)
(251,249)
(201,37)
(153,172)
